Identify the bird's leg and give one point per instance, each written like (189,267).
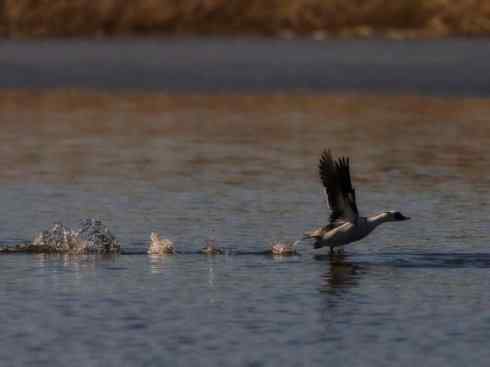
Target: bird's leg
(331,251)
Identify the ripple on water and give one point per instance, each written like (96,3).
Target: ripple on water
(242,170)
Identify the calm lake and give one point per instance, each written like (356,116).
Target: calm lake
(243,170)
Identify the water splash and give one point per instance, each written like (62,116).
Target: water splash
(159,246)
(211,248)
(92,238)
(284,248)
(58,239)
(97,237)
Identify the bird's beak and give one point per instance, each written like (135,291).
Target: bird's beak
(400,217)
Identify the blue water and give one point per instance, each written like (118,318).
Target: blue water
(414,292)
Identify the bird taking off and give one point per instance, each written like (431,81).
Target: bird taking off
(345,224)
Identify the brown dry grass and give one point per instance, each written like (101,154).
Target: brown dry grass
(318,18)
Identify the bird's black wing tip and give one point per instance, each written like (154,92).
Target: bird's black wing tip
(325,156)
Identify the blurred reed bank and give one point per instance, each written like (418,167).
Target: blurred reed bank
(285,18)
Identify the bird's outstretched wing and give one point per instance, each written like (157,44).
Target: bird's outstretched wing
(341,196)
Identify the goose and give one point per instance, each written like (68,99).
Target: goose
(345,225)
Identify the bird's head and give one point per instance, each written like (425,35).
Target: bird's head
(396,216)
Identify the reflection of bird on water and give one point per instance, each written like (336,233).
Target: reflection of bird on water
(341,273)
(345,225)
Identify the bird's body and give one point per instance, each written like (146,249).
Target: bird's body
(346,225)
(341,234)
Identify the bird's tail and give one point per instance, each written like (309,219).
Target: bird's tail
(313,235)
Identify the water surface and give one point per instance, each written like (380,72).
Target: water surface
(242,170)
